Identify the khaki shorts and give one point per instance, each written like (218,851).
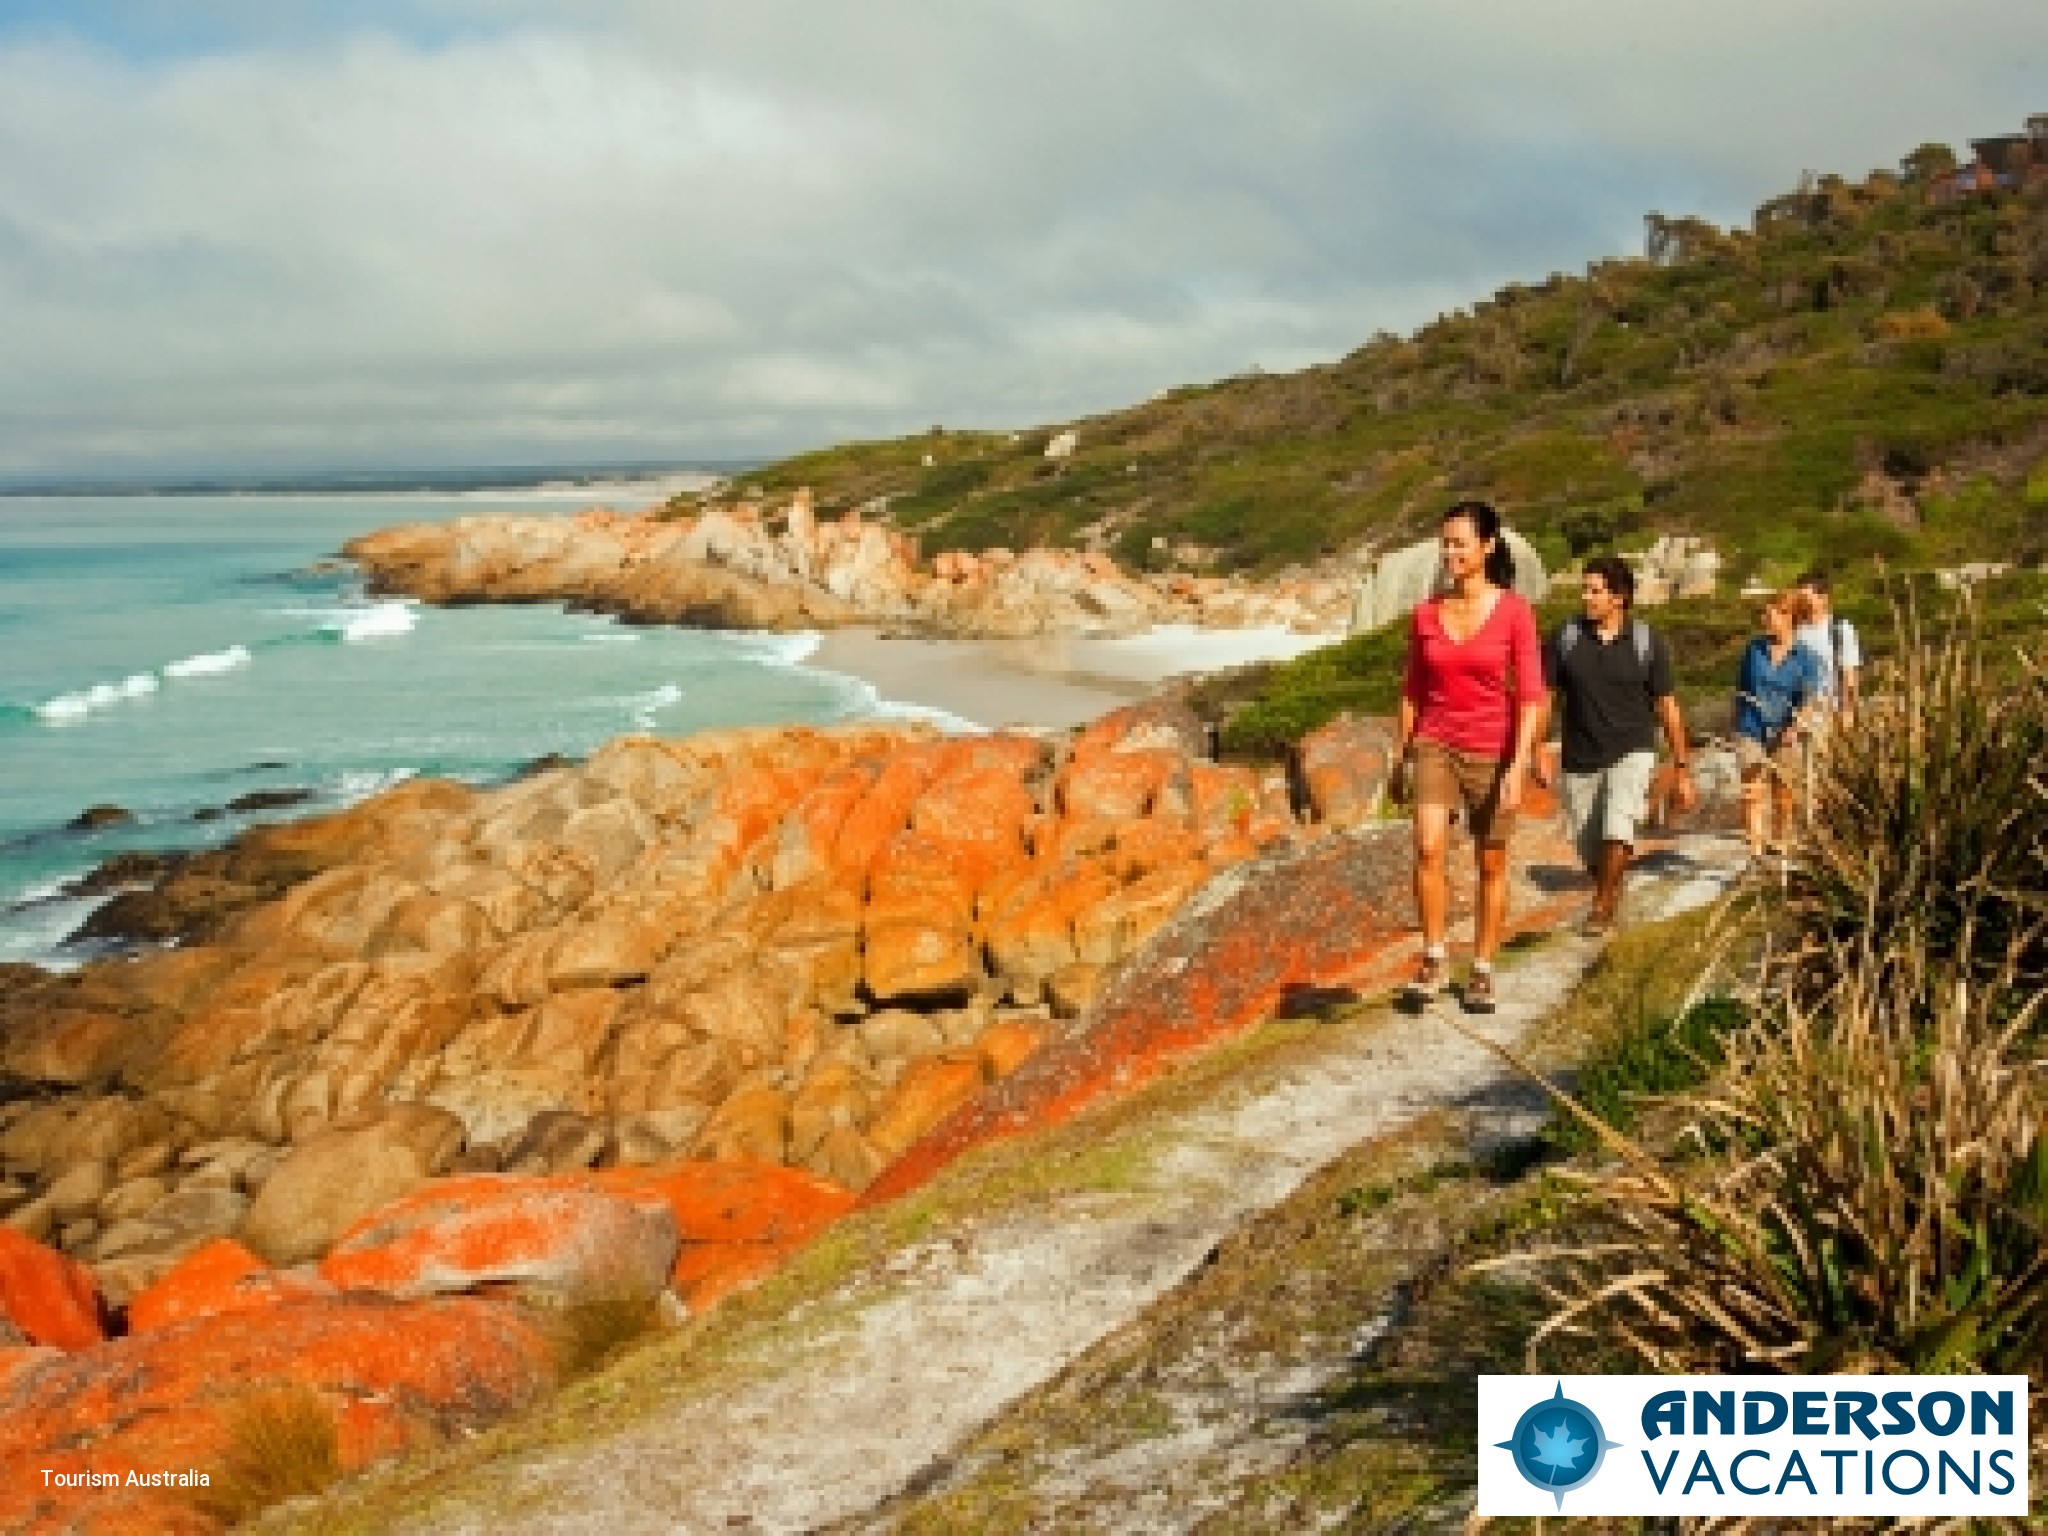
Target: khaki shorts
(1787,760)
(1608,806)
(1468,782)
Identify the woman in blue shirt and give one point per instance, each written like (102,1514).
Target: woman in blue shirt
(1780,682)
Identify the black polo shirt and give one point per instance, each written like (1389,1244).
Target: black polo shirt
(1609,696)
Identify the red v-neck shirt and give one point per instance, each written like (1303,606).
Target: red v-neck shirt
(1467,696)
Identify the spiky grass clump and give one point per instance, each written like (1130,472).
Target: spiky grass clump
(1862,1185)
(283,1445)
(1928,839)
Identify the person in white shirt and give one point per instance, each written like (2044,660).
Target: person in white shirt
(1834,641)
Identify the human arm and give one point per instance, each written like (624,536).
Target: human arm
(1404,750)
(1532,700)
(1672,719)
(1408,716)
(1553,673)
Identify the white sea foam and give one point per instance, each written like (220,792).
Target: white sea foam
(646,705)
(67,708)
(777,650)
(381,621)
(210,663)
(611,637)
(360,784)
(863,701)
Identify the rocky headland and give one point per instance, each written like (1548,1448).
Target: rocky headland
(743,565)
(415,1079)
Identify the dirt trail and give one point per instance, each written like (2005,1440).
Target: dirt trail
(909,1361)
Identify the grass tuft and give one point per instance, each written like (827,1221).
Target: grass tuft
(281,1446)
(588,1335)
(1864,1186)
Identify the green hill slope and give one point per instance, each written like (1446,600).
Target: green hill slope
(1864,372)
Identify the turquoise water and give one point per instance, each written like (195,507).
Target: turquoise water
(170,654)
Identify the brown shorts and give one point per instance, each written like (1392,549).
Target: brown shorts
(1468,782)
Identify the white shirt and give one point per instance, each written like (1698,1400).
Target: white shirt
(1820,639)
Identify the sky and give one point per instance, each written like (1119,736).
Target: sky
(288,235)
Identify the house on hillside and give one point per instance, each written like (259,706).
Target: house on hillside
(2004,163)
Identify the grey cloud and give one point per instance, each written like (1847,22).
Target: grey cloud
(485,231)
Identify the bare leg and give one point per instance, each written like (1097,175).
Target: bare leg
(1755,809)
(1607,878)
(1787,819)
(1493,901)
(1432,890)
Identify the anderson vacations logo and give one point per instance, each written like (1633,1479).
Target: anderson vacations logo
(1753,1445)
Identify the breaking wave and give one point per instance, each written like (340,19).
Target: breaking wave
(210,663)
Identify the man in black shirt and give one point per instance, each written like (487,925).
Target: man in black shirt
(1614,675)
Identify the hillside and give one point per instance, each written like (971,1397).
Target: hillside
(1864,372)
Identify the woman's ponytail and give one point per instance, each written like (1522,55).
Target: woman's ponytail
(1500,560)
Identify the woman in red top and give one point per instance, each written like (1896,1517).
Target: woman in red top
(1470,713)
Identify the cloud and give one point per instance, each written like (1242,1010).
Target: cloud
(456,231)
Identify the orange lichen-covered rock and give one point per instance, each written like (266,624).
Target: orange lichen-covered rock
(1153,843)
(978,816)
(1007,1044)
(739,1221)
(707,1273)
(1223,796)
(884,810)
(930,1090)
(1117,786)
(392,1373)
(917,878)
(45,1297)
(909,960)
(1032,933)
(733,1202)
(553,1235)
(220,1276)
(1325,911)
(1344,768)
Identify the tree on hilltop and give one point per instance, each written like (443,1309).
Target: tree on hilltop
(1929,162)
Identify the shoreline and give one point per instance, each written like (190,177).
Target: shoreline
(1039,682)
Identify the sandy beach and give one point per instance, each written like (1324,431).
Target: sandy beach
(1049,680)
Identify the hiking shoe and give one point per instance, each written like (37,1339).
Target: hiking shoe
(1478,993)
(1427,984)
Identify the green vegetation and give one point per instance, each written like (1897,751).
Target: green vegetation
(1759,387)
(281,1446)
(1862,1185)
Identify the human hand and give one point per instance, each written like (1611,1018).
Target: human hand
(1511,786)
(1685,794)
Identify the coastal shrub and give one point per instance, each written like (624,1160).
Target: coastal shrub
(1862,1184)
(281,1446)
(1929,833)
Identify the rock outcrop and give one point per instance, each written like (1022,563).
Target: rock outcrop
(740,566)
(794,947)
(630,1030)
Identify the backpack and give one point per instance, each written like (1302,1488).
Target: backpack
(1568,636)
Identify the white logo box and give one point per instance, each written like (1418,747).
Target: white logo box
(1860,1457)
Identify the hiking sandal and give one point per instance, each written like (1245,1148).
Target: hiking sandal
(1478,993)
(1427,984)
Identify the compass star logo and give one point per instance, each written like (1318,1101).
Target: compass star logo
(1558,1445)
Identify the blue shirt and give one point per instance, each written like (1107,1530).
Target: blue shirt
(1767,696)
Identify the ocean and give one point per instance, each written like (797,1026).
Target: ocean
(171,655)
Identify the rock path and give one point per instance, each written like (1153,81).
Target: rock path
(919,1355)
